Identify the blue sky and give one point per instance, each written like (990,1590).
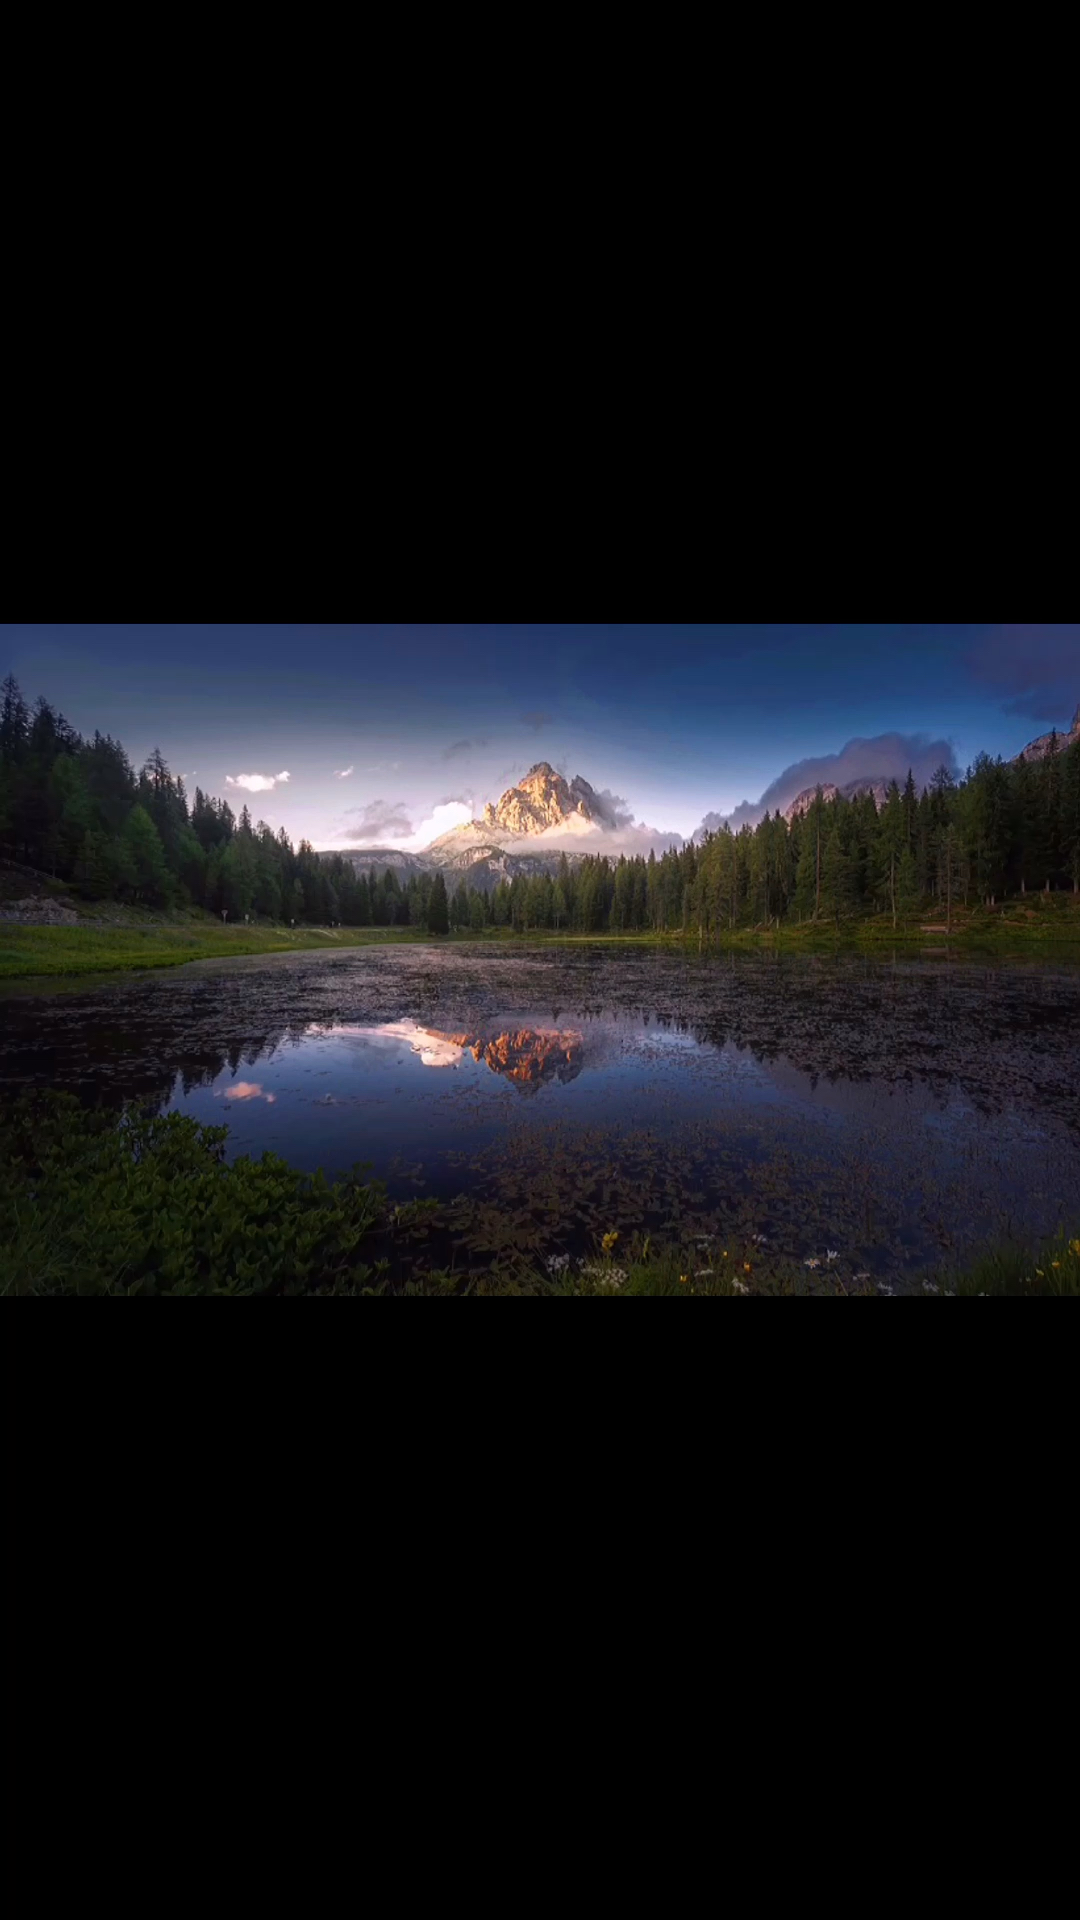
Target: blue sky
(679,721)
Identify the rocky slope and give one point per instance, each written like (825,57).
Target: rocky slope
(855,789)
(1048,743)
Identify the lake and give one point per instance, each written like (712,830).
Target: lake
(879,1117)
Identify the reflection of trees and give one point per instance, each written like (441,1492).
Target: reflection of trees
(109,1062)
(1007,1038)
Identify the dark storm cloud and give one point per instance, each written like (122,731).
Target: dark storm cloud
(889,756)
(379,820)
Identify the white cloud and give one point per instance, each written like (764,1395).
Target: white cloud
(435,1049)
(344,774)
(450,813)
(389,824)
(256,782)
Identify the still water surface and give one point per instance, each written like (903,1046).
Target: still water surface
(893,1112)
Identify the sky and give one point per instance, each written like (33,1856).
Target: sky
(366,735)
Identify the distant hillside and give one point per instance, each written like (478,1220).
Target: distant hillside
(854,790)
(479,864)
(362,859)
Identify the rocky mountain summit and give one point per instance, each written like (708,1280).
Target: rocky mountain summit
(1049,743)
(543,799)
(483,852)
(853,791)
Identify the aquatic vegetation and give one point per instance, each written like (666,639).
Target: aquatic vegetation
(819,1125)
(93,1202)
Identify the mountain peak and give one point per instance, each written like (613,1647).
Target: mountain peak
(541,800)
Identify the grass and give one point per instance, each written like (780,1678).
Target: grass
(38,952)
(135,940)
(1017,1272)
(94,1202)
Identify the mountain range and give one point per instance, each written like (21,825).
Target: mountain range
(545,807)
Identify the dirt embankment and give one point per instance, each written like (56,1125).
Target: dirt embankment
(42,912)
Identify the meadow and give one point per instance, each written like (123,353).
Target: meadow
(128,940)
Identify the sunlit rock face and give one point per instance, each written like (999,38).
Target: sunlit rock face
(1049,743)
(530,1056)
(542,800)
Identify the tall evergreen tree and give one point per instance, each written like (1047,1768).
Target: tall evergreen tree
(438,910)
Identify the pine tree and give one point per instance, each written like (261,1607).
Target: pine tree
(835,876)
(890,847)
(907,883)
(95,871)
(14,722)
(150,874)
(1070,815)
(438,911)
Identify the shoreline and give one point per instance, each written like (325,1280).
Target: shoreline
(50,956)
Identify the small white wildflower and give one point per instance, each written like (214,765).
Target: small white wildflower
(738,1285)
(758,1240)
(811,1264)
(887,1291)
(929,1287)
(832,1254)
(558,1262)
(704,1273)
(862,1276)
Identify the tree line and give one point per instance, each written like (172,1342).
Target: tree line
(75,808)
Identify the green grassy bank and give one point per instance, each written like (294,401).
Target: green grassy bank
(39,952)
(96,1203)
(130,941)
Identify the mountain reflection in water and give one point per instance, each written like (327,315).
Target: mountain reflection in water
(527,1056)
(903,1113)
